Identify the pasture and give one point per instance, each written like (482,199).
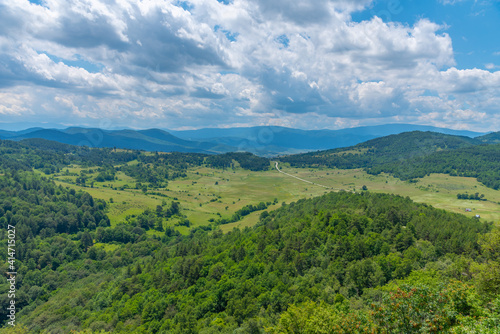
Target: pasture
(208,194)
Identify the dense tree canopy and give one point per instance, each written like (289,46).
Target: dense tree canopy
(342,262)
(323,250)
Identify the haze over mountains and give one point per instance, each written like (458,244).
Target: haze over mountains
(260,140)
(268,140)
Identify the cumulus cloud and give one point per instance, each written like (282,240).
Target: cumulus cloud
(13,104)
(200,63)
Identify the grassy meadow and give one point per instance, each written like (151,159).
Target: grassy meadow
(438,190)
(207,194)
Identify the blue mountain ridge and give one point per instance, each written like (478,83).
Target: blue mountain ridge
(260,140)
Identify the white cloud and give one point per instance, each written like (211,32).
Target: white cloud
(13,103)
(491,66)
(300,63)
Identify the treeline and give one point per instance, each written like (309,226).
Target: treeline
(475,197)
(43,215)
(153,219)
(245,211)
(383,150)
(37,206)
(413,155)
(157,169)
(51,157)
(244,159)
(308,260)
(480,162)
(154,168)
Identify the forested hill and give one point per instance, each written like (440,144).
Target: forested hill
(412,155)
(151,140)
(330,250)
(382,150)
(51,156)
(53,227)
(417,143)
(491,138)
(263,140)
(481,162)
(327,264)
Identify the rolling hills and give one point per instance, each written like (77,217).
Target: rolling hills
(400,147)
(149,140)
(274,140)
(133,242)
(265,141)
(413,155)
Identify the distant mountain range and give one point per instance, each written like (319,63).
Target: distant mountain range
(261,140)
(148,140)
(273,140)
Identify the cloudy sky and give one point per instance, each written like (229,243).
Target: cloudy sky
(220,63)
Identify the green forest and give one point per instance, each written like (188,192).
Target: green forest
(342,262)
(413,155)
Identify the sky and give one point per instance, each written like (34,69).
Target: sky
(322,64)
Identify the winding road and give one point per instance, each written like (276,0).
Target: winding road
(298,178)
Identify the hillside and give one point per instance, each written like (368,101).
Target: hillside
(149,140)
(41,153)
(274,140)
(412,155)
(417,143)
(384,149)
(121,241)
(265,141)
(491,138)
(328,249)
(481,162)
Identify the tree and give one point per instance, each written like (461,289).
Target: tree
(424,309)
(86,240)
(488,274)
(159,210)
(159,224)
(311,318)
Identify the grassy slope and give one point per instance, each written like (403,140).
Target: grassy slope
(202,199)
(438,190)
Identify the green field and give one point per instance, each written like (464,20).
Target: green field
(438,190)
(208,194)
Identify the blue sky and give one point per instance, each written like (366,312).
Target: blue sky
(207,63)
(472,25)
